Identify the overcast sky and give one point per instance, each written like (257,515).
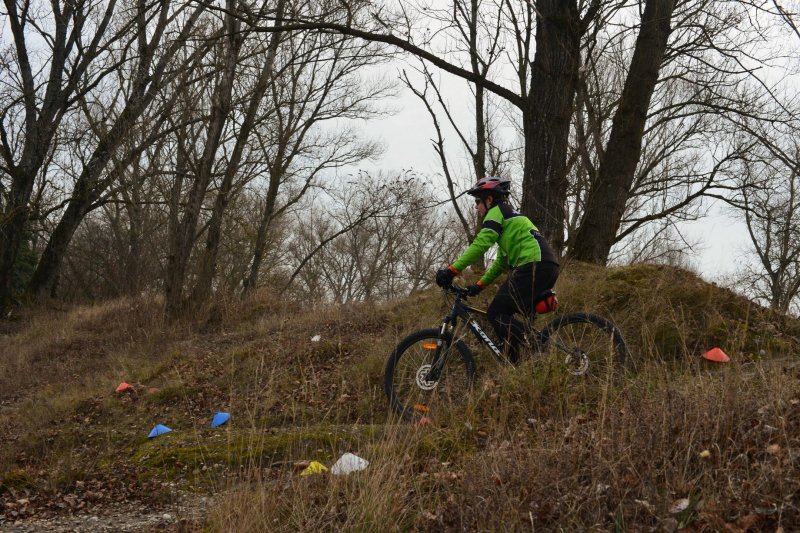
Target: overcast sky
(721,240)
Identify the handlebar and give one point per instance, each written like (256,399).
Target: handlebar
(458,290)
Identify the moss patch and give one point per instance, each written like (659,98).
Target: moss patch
(16,479)
(666,312)
(180,456)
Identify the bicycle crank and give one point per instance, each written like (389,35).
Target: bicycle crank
(422,383)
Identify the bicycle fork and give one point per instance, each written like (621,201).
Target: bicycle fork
(441,353)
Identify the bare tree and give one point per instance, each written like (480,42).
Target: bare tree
(772,223)
(608,198)
(251,105)
(769,201)
(137,89)
(380,238)
(227,57)
(690,137)
(546,81)
(39,89)
(320,90)
(439,147)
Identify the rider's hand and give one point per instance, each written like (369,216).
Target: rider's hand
(444,277)
(474,290)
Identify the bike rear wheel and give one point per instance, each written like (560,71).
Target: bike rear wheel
(589,346)
(410,395)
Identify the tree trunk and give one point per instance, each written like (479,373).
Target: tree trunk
(86,193)
(17,213)
(546,116)
(259,248)
(172,300)
(133,261)
(208,261)
(607,199)
(12,225)
(479,159)
(220,107)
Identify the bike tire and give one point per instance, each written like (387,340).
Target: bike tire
(409,396)
(590,345)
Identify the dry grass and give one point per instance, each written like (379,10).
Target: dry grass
(621,465)
(529,450)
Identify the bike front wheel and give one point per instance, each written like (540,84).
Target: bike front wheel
(589,346)
(410,394)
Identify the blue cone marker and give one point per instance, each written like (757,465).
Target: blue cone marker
(158,430)
(219,419)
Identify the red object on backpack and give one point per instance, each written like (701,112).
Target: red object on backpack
(547,303)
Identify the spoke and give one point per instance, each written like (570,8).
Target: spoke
(419,398)
(587,349)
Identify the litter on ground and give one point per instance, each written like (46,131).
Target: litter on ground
(314,468)
(348,463)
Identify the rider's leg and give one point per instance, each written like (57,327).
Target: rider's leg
(517,295)
(508,301)
(545,276)
(513,335)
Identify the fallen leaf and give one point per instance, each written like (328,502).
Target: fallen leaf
(679,505)
(773,449)
(644,503)
(748,522)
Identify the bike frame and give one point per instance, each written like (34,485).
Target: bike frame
(460,310)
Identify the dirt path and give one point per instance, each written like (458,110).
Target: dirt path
(185,515)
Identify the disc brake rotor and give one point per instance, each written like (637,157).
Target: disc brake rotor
(577,363)
(421,373)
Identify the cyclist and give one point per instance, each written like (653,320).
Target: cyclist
(521,249)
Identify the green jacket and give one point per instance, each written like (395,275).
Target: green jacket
(518,240)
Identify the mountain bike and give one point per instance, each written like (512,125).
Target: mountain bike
(434,365)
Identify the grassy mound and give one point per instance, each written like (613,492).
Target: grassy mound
(529,449)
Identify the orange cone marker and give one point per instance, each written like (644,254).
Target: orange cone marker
(716,355)
(124,387)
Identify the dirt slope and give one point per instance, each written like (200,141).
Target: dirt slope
(75,455)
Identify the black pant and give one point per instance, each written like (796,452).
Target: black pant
(518,295)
